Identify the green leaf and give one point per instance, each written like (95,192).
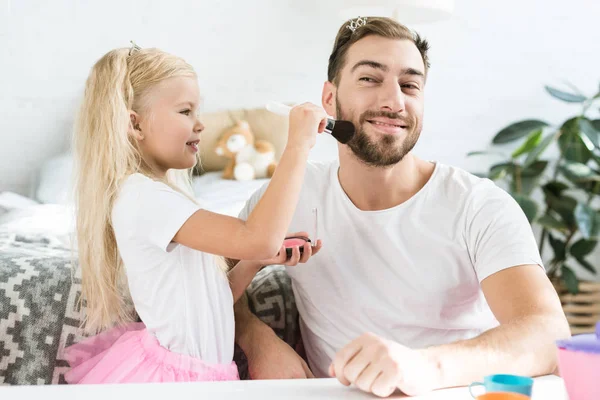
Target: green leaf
(499,171)
(526,180)
(559,247)
(592,187)
(529,207)
(586,265)
(535,169)
(480,174)
(582,176)
(586,127)
(526,185)
(483,153)
(563,206)
(583,247)
(518,130)
(575,89)
(539,149)
(596,159)
(532,141)
(551,223)
(564,96)
(587,220)
(552,195)
(578,172)
(554,187)
(570,280)
(596,124)
(572,146)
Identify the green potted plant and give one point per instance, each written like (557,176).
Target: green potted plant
(553,172)
(567,183)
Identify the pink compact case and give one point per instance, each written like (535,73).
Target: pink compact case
(293,241)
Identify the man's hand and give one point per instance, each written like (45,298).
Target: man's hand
(379,366)
(272,358)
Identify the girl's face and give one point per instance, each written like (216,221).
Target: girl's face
(169,129)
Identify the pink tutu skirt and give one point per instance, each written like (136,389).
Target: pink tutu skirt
(130,354)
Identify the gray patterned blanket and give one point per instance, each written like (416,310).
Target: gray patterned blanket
(39,314)
(38,308)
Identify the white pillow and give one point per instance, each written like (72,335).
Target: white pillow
(12,201)
(55,180)
(224,196)
(46,220)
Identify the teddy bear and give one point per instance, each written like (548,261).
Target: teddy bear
(248,158)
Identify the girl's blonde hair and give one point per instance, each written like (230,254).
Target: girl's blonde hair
(120,82)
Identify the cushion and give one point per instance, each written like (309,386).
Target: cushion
(264,124)
(54,181)
(39,312)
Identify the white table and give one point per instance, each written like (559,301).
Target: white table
(545,388)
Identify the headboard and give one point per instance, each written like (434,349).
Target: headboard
(264,124)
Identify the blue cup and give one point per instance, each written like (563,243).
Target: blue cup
(505,383)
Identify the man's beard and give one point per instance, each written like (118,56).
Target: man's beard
(386,151)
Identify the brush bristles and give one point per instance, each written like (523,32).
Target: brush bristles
(343,131)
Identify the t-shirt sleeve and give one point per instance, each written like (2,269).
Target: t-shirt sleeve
(155,212)
(252,202)
(498,234)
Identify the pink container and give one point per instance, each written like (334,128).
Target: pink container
(579,365)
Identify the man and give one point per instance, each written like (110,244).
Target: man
(429,277)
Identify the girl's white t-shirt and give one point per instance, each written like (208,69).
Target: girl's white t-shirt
(181,294)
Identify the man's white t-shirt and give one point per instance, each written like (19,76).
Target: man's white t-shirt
(181,294)
(410,273)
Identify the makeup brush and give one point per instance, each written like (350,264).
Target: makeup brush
(340,129)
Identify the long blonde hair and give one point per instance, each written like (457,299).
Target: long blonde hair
(106,155)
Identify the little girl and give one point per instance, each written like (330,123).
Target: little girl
(142,238)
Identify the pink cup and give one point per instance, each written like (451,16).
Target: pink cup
(579,365)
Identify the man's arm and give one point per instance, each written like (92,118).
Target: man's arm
(242,273)
(268,356)
(531,320)
(521,297)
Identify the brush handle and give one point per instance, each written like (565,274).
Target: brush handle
(278,108)
(281,109)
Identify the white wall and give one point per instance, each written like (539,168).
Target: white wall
(489,64)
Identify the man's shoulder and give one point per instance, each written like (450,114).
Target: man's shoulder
(316,175)
(462,187)
(316,179)
(319,171)
(456,183)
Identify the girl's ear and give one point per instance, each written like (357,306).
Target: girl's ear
(134,127)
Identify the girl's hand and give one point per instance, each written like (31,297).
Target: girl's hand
(306,120)
(281,257)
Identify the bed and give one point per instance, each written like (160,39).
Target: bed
(40,289)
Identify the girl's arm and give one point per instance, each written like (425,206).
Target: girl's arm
(241,275)
(261,236)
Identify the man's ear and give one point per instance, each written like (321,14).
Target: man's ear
(134,126)
(328,98)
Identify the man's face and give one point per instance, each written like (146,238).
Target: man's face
(381,90)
